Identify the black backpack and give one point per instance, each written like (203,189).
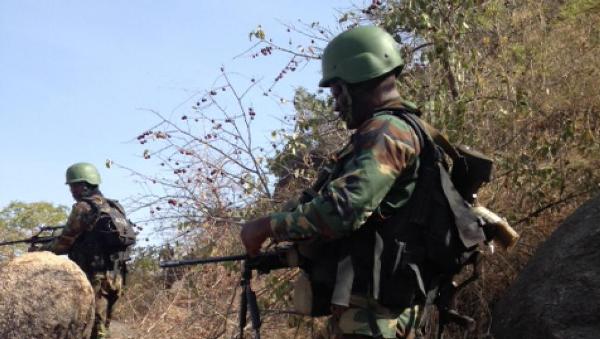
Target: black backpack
(115,230)
(107,245)
(414,253)
(434,237)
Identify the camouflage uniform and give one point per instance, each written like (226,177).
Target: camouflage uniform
(106,284)
(375,172)
(354,321)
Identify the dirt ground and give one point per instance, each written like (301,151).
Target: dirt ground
(121,330)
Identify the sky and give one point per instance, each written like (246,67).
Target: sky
(77,78)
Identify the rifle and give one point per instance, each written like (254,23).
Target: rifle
(282,257)
(470,171)
(37,238)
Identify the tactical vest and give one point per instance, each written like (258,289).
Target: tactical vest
(398,259)
(106,245)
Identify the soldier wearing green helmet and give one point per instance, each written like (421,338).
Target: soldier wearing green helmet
(374,174)
(383,230)
(358,55)
(83,172)
(85,240)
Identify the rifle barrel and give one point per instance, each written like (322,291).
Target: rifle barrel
(28,241)
(175,263)
(51,228)
(12,242)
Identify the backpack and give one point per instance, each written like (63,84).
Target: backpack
(436,235)
(115,230)
(409,257)
(107,245)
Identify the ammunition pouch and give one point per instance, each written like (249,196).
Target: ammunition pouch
(400,284)
(314,285)
(470,169)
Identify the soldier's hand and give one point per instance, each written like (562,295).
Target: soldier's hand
(33,248)
(254,233)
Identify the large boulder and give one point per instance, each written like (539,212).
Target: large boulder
(43,295)
(557,295)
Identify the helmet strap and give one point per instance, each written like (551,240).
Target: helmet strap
(345,105)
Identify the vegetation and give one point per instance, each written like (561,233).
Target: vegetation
(19,220)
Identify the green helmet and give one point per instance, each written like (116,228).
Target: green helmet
(83,172)
(360,54)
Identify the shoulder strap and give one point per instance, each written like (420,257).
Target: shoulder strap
(422,128)
(441,141)
(429,157)
(467,223)
(115,204)
(430,153)
(432,133)
(91,202)
(425,140)
(95,209)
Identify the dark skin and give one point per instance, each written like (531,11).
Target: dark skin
(254,234)
(79,190)
(366,97)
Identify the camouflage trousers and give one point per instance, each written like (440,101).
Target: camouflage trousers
(358,321)
(107,289)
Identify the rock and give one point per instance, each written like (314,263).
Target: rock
(557,295)
(43,295)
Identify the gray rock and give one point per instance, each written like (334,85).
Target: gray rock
(557,295)
(43,295)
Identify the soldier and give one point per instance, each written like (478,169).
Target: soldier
(371,178)
(90,238)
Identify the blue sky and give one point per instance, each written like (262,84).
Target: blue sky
(76,76)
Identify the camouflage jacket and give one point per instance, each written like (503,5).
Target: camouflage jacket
(81,219)
(375,172)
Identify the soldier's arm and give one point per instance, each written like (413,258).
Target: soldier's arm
(385,147)
(76,225)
